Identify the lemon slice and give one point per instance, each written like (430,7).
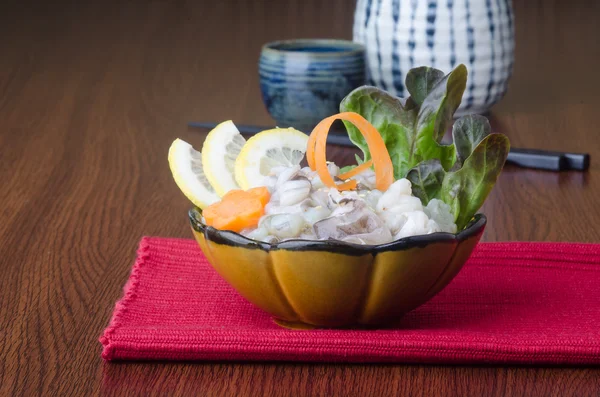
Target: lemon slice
(221,147)
(268,149)
(186,167)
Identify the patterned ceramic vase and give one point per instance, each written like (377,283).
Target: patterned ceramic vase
(402,34)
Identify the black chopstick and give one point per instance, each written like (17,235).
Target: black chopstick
(525,158)
(547,160)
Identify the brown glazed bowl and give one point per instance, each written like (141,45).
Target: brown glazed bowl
(307,284)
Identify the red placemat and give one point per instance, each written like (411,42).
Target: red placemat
(525,303)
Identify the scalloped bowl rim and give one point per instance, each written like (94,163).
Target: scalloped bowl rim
(229,237)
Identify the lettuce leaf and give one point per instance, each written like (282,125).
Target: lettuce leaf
(461,174)
(413,128)
(465,188)
(393,118)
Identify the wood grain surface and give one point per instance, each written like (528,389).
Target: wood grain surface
(93,93)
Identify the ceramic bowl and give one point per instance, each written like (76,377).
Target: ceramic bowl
(305,284)
(304,81)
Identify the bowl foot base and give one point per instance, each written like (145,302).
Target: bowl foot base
(297,326)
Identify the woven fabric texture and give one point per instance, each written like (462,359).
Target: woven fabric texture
(519,303)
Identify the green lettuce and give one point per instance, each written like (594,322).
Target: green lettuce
(462,173)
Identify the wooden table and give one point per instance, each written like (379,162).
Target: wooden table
(93,93)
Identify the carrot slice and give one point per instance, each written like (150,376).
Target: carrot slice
(321,131)
(356,170)
(261,193)
(384,169)
(310,150)
(237,210)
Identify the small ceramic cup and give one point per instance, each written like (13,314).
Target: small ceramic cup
(304,81)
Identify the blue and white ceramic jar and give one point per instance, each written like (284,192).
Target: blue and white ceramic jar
(402,34)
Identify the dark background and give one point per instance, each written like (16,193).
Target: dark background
(93,93)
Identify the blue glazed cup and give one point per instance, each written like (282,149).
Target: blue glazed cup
(304,81)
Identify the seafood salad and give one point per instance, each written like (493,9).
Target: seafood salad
(302,207)
(407,182)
